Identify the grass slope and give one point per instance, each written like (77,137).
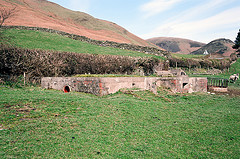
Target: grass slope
(187,56)
(50,124)
(47,41)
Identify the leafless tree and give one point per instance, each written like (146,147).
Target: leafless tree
(6,13)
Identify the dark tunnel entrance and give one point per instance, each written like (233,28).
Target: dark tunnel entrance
(66,89)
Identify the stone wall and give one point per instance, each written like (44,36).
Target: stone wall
(108,85)
(125,46)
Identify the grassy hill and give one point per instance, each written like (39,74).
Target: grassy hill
(48,41)
(50,124)
(46,14)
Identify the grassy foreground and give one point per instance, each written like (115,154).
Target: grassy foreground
(48,41)
(38,123)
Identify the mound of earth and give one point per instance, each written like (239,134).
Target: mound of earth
(176,45)
(220,46)
(45,14)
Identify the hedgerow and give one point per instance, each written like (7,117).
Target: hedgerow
(39,63)
(203,63)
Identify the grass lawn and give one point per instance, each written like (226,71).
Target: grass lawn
(38,123)
(187,56)
(48,41)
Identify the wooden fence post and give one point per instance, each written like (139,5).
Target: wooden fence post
(24,78)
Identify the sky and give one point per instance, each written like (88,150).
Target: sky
(198,20)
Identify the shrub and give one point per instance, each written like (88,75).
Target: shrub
(38,63)
(206,63)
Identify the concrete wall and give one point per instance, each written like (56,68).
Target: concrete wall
(108,85)
(183,84)
(83,84)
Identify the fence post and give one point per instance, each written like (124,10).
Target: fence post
(24,78)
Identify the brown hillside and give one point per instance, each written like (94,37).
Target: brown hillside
(42,13)
(176,45)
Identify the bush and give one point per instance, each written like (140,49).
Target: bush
(38,63)
(206,63)
(233,57)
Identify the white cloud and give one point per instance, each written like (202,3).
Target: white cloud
(200,30)
(157,6)
(79,5)
(202,9)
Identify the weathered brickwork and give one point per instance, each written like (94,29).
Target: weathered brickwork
(108,85)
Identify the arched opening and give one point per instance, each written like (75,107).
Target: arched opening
(184,84)
(66,89)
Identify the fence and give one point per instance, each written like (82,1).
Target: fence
(22,80)
(218,82)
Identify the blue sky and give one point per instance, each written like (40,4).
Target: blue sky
(199,20)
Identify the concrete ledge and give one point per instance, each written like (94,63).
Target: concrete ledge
(107,85)
(218,89)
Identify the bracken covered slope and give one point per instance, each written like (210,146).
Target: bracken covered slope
(176,45)
(42,13)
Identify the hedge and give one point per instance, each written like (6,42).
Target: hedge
(39,63)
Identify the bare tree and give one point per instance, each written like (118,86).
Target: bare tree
(6,13)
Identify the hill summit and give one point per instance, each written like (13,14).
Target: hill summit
(45,14)
(176,45)
(219,46)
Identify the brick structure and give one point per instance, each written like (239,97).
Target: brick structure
(107,85)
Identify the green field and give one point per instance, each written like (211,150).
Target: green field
(187,56)
(49,41)
(38,123)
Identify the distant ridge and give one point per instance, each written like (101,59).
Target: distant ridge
(45,14)
(176,45)
(219,46)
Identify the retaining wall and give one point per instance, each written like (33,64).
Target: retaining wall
(108,85)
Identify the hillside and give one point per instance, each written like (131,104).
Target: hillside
(30,39)
(42,13)
(219,46)
(176,45)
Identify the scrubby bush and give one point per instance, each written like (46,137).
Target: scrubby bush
(38,63)
(233,57)
(205,63)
